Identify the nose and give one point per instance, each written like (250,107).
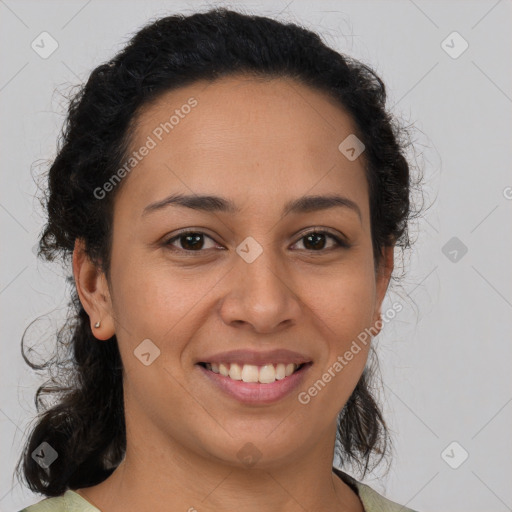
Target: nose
(262,296)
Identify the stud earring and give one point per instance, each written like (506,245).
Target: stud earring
(97,324)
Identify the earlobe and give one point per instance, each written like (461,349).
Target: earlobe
(92,289)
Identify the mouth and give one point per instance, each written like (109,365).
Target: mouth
(255,384)
(264,374)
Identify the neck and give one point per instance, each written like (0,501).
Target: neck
(176,479)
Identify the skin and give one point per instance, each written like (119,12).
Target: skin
(259,143)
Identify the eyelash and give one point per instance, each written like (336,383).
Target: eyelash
(340,243)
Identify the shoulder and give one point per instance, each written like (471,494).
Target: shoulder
(372,501)
(70,501)
(375,502)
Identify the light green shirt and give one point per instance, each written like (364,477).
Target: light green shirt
(70,501)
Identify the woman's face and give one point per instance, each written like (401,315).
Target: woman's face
(248,284)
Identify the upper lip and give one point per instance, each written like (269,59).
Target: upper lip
(257,358)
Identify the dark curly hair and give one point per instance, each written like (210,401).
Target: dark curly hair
(86,424)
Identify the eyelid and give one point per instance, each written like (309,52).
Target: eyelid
(322,230)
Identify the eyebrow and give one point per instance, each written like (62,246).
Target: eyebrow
(211,203)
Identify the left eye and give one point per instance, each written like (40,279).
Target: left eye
(317,240)
(193,241)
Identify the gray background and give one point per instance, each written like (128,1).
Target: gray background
(446,357)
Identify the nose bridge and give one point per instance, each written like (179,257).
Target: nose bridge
(261,293)
(260,267)
(264,273)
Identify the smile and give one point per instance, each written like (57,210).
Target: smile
(265,374)
(254,385)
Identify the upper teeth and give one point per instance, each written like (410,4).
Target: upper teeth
(251,373)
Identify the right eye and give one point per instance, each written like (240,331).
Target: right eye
(190,241)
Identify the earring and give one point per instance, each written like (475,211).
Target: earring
(97,324)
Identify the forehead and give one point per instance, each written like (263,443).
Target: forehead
(241,106)
(243,135)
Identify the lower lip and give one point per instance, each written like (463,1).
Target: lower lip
(255,392)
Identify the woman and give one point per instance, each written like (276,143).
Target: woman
(230,192)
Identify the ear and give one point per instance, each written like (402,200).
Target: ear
(383,276)
(92,288)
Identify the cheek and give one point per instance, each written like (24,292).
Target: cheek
(161,303)
(344,300)
(150,298)
(344,308)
